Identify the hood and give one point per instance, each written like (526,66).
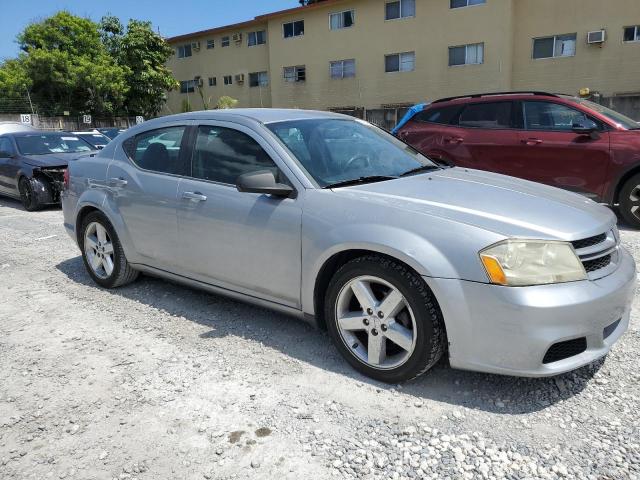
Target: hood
(54,159)
(505,205)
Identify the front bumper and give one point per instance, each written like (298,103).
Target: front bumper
(508,330)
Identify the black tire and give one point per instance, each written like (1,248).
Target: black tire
(627,204)
(431,337)
(122,273)
(27,195)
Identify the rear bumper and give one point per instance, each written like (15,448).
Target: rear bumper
(508,331)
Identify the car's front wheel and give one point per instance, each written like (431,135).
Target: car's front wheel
(102,253)
(27,195)
(629,201)
(384,319)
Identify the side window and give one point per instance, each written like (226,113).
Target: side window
(6,148)
(157,150)
(442,116)
(223,154)
(550,116)
(487,115)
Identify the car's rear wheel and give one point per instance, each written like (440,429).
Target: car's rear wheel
(384,319)
(27,195)
(102,253)
(629,201)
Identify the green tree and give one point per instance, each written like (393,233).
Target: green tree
(143,54)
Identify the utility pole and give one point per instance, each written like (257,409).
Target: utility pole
(29,97)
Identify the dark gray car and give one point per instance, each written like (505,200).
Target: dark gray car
(32,165)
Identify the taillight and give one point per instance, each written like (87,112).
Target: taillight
(65,178)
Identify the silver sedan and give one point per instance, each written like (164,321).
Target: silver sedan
(334,221)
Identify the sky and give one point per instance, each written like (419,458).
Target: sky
(170,16)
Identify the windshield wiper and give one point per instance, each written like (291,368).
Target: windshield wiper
(422,169)
(360,181)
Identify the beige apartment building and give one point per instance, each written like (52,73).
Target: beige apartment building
(353,54)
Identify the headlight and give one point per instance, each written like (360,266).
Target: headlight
(518,263)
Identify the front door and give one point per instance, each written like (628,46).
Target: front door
(144,189)
(550,152)
(8,167)
(245,242)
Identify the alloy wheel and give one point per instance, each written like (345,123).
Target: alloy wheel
(98,249)
(634,201)
(375,322)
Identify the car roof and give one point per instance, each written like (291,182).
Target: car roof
(488,97)
(37,132)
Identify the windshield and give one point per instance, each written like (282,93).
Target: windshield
(95,139)
(51,143)
(334,150)
(615,117)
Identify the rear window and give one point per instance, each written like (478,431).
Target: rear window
(442,115)
(487,115)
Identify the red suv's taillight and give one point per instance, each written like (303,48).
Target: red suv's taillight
(65,178)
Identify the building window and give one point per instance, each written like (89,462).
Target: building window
(632,34)
(466,54)
(295,74)
(400,62)
(213,81)
(556,46)
(343,68)
(466,3)
(225,41)
(257,38)
(228,79)
(258,79)
(400,9)
(293,29)
(341,20)
(188,86)
(210,44)
(184,50)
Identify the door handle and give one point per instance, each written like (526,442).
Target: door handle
(531,141)
(194,196)
(117,182)
(454,140)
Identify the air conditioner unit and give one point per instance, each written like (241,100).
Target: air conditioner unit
(237,37)
(195,46)
(599,36)
(240,78)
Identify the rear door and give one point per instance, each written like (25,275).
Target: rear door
(550,152)
(144,189)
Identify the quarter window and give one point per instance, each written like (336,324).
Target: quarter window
(550,116)
(223,154)
(257,38)
(258,79)
(228,79)
(293,29)
(556,46)
(400,9)
(466,3)
(188,86)
(157,150)
(210,44)
(184,50)
(466,55)
(295,74)
(341,20)
(487,115)
(343,68)
(400,62)
(632,34)
(225,41)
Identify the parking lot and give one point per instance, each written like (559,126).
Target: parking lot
(159,381)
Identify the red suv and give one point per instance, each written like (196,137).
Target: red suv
(559,140)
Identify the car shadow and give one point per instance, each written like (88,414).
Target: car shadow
(226,317)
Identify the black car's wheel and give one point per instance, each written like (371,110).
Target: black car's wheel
(384,319)
(102,253)
(630,201)
(27,195)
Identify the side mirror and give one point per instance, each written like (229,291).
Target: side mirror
(263,182)
(584,127)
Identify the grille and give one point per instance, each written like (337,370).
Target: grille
(606,333)
(589,242)
(597,263)
(562,350)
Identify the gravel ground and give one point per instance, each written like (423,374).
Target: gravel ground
(158,381)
